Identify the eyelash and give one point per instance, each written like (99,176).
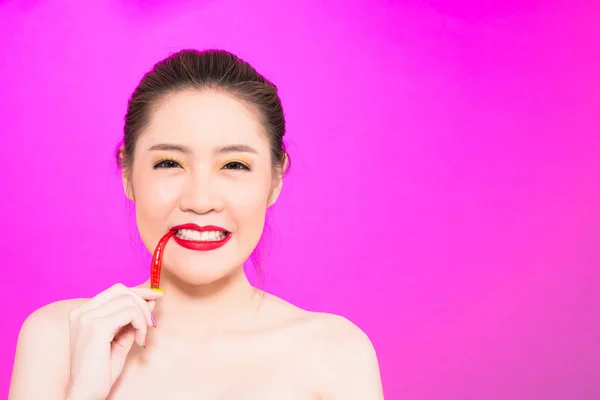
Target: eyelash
(163,165)
(240,165)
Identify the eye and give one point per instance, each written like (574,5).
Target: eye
(167,164)
(236,165)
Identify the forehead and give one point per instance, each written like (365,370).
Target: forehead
(202,120)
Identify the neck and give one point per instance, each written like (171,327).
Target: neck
(191,311)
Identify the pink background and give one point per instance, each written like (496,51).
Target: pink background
(444,185)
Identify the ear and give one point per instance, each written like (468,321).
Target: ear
(127,186)
(275,191)
(125,179)
(277,184)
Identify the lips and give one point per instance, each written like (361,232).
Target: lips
(201,244)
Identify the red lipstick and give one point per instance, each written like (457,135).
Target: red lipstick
(198,245)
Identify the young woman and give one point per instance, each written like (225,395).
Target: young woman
(203,155)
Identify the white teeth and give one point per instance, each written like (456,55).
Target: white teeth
(206,236)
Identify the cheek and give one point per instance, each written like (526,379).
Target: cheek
(247,204)
(155,200)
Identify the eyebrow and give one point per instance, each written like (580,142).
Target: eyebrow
(232,148)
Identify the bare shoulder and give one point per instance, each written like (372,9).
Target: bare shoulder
(345,359)
(52,319)
(336,330)
(48,325)
(41,363)
(340,355)
(53,311)
(321,329)
(341,341)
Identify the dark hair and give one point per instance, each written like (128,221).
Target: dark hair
(205,70)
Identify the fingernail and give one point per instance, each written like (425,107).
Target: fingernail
(153,320)
(159,290)
(144,345)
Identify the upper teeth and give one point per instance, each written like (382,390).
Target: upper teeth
(190,234)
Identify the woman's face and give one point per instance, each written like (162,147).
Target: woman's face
(204,159)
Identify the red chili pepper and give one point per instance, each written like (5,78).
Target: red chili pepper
(157,260)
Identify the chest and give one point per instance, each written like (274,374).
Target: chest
(259,372)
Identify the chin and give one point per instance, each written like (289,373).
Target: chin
(204,279)
(188,272)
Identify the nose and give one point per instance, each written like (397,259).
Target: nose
(200,195)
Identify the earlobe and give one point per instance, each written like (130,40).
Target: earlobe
(276,190)
(125,176)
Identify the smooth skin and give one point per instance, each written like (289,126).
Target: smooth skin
(204,159)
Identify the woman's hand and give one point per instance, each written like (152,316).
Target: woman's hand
(102,332)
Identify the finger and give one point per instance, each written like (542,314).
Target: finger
(143,305)
(98,323)
(104,297)
(123,301)
(109,325)
(148,293)
(114,292)
(121,345)
(118,289)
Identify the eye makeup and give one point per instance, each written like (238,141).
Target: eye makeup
(167,162)
(170,162)
(236,165)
